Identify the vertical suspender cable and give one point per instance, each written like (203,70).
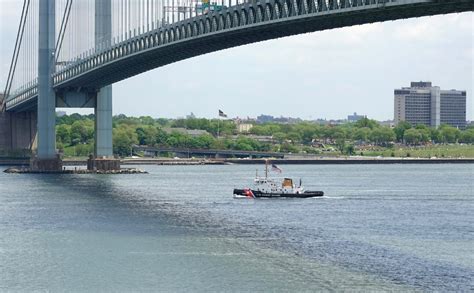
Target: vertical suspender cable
(121,19)
(65,21)
(19,36)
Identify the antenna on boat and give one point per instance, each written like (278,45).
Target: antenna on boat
(266,168)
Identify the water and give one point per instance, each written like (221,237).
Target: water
(379,228)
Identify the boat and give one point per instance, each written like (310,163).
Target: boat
(267,188)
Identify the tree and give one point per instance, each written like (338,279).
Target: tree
(305,131)
(162,121)
(467,136)
(349,149)
(382,135)
(435,135)
(147,120)
(140,135)
(288,148)
(361,134)
(279,137)
(179,140)
(63,134)
(294,137)
(366,122)
(400,129)
(202,142)
(341,145)
(147,135)
(425,134)
(124,137)
(79,133)
(161,136)
(412,136)
(449,134)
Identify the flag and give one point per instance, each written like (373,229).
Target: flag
(222,114)
(276,168)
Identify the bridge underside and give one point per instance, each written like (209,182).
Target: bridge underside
(166,54)
(108,66)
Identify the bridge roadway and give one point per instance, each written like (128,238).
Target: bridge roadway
(208,152)
(251,22)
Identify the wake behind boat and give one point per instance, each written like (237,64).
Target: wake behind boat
(266,187)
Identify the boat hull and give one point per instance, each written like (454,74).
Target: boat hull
(257,194)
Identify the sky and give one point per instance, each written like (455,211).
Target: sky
(328,74)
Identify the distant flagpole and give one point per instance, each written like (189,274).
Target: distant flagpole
(220,114)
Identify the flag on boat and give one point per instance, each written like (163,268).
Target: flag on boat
(222,114)
(276,168)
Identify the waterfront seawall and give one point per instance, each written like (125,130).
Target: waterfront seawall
(320,161)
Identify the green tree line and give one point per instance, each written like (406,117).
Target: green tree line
(77,132)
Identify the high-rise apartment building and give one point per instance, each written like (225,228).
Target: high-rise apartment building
(422,103)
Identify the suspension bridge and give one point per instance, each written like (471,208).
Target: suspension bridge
(68,53)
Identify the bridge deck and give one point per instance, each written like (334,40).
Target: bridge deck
(238,25)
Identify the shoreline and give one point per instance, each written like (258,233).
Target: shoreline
(294,161)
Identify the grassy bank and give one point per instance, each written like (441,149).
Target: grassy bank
(439,151)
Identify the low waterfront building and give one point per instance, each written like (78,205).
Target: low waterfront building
(190,132)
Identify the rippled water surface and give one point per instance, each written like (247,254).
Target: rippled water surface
(379,227)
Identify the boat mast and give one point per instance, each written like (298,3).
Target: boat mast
(266,169)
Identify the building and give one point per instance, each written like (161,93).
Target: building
(388,123)
(355,117)
(264,118)
(423,103)
(190,132)
(259,138)
(244,127)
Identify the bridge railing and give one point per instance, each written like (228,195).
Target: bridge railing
(245,14)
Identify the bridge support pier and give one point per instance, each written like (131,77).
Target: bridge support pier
(103,152)
(46,158)
(103,123)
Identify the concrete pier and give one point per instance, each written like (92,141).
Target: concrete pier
(103,164)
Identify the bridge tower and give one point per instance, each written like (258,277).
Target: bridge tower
(103,152)
(46,143)
(103,107)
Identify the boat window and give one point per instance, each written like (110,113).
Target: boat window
(287,182)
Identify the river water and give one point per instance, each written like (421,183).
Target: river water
(378,228)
